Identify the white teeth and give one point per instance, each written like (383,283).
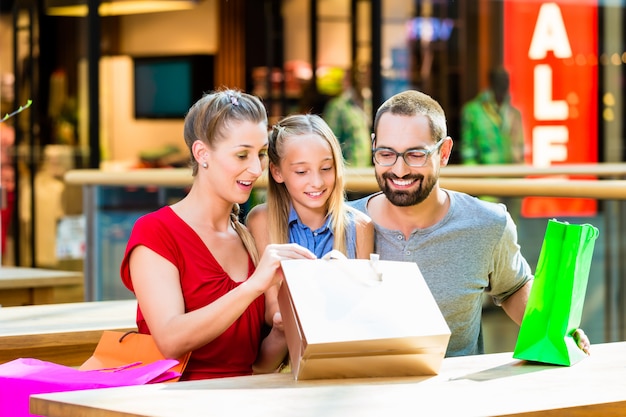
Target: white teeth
(315,194)
(246,182)
(403,183)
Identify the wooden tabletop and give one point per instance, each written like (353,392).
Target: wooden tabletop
(26,286)
(19,277)
(63,333)
(483,385)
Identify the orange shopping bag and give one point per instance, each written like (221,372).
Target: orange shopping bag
(117,349)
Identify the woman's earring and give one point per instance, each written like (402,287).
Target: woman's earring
(205,165)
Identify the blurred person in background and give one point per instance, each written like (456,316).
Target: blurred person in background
(346,116)
(492,131)
(491,127)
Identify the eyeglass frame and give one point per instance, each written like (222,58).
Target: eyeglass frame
(427,152)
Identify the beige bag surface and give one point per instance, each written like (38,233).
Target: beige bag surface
(358,318)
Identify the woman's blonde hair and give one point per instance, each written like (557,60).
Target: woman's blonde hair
(278,198)
(208,119)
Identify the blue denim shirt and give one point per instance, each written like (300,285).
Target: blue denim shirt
(319,241)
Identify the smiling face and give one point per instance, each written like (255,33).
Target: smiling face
(402,184)
(307,169)
(238,160)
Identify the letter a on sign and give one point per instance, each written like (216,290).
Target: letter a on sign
(549,34)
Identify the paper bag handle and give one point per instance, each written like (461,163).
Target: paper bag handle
(374,257)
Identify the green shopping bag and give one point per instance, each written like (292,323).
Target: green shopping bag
(555,303)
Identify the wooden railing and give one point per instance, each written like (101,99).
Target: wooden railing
(495,180)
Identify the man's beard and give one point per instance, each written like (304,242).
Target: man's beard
(406,198)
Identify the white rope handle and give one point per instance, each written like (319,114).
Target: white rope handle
(376,275)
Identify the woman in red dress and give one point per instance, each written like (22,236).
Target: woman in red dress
(193,266)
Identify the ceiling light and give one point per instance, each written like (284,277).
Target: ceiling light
(118,7)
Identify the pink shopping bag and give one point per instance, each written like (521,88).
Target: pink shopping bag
(23,377)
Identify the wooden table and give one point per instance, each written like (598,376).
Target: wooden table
(25,286)
(64,333)
(482,385)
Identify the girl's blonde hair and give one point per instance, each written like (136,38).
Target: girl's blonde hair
(208,119)
(278,198)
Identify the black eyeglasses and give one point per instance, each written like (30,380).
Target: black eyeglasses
(387,157)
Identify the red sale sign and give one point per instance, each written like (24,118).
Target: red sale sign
(551,53)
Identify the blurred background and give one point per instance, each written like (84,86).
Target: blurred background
(110,82)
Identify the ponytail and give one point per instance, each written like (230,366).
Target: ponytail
(244,234)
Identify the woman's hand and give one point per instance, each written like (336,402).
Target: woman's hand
(269,272)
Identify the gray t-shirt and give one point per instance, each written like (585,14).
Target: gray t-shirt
(471,251)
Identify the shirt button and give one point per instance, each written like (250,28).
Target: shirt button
(314,233)
(400,237)
(407,252)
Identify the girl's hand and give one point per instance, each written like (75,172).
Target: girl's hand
(277,322)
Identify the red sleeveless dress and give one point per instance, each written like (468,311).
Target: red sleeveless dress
(202,281)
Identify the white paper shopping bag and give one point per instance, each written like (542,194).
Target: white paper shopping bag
(348,318)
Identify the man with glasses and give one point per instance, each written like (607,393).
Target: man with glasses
(463,246)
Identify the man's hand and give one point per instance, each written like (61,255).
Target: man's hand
(582,341)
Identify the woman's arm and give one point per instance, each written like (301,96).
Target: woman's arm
(176,332)
(256,222)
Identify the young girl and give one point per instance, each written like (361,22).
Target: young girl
(192,265)
(306,197)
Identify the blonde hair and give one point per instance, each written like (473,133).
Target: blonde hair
(278,198)
(207,120)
